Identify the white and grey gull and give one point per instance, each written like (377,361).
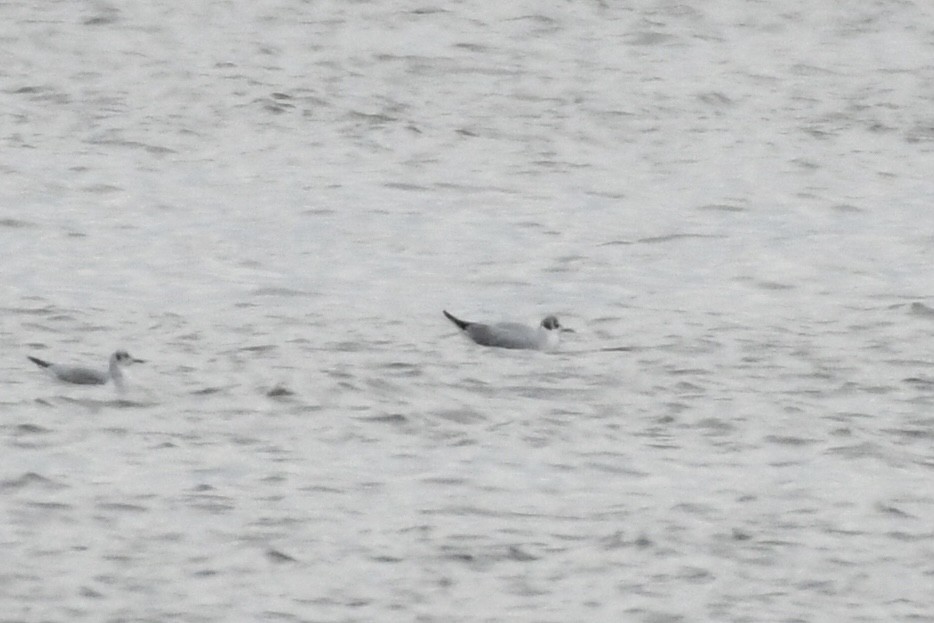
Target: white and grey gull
(80,375)
(545,336)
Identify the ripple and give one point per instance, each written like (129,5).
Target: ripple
(29,480)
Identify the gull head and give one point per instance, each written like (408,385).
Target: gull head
(550,323)
(123,358)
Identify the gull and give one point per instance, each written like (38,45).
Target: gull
(511,334)
(79,375)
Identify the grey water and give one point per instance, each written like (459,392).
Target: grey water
(272,202)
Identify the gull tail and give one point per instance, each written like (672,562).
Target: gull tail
(461,324)
(39,362)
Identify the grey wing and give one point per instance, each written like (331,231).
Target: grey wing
(79,376)
(505,335)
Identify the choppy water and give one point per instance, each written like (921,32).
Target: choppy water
(271,202)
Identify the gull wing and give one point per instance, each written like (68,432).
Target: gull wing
(78,375)
(504,335)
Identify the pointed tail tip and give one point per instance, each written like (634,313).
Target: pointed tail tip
(38,362)
(460,323)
